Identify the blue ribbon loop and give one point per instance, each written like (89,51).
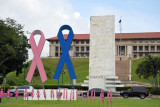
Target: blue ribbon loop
(65,46)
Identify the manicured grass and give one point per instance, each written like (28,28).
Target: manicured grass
(81,67)
(117,102)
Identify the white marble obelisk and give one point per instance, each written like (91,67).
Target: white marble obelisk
(102,52)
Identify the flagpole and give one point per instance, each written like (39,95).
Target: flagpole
(120,37)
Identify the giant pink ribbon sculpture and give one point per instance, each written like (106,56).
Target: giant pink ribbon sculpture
(8,94)
(37,60)
(25,94)
(17,93)
(32,93)
(1,93)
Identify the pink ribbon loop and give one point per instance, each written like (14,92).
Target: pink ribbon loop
(37,60)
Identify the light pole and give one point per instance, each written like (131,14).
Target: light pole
(63,72)
(24,65)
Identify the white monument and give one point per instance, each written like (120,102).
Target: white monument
(102,53)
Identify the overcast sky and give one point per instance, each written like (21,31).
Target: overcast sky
(49,15)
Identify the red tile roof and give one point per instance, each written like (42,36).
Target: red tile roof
(148,35)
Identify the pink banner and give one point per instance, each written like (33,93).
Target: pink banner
(32,93)
(94,95)
(66,95)
(38,94)
(111,96)
(91,95)
(25,94)
(36,60)
(87,95)
(44,93)
(107,96)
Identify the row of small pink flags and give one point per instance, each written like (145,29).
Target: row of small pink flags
(58,95)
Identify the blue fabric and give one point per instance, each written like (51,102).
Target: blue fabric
(65,46)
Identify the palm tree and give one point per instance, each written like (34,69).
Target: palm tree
(149,69)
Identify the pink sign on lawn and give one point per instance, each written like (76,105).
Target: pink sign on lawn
(32,93)
(36,60)
(44,93)
(1,93)
(8,94)
(25,94)
(17,93)
(38,94)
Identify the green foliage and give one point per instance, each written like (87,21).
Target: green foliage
(155,91)
(13,47)
(6,87)
(11,83)
(149,69)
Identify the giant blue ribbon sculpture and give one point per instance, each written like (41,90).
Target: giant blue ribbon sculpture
(65,46)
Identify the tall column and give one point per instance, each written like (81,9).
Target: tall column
(118,50)
(102,52)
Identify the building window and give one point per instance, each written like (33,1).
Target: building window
(87,48)
(146,47)
(77,48)
(134,41)
(134,48)
(82,42)
(56,54)
(87,41)
(146,41)
(87,54)
(140,54)
(52,42)
(56,41)
(135,56)
(152,47)
(56,48)
(140,41)
(140,48)
(77,42)
(158,47)
(152,41)
(158,41)
(82,48)
(146,54)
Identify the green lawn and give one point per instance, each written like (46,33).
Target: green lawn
(81,67)
(117,102)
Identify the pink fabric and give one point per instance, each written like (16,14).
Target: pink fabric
(44,93)
(66,95)
(16,93)
(102,96)
(76,95)
(51,94)
(37,60)
(87,95)
(94,95)
(107,96)
(38,94)
(111,96)
(8,93)
(73,95)
(82,94)
(1,93)
(25,94)
(32,93)
(91,95)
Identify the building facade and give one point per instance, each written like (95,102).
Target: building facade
(132,45)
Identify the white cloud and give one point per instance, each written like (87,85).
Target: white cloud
(45,15)
(76,15)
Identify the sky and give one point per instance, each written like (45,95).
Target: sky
(49,15)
